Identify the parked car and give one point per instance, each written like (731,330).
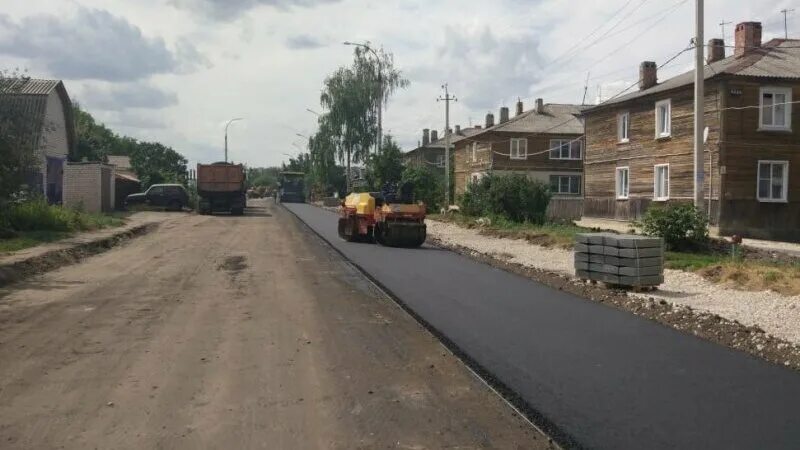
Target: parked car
(172,197)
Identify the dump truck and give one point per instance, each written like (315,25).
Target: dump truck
(389,218)
(221,187)
(292,187)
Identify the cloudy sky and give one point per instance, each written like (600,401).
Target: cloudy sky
(175,70)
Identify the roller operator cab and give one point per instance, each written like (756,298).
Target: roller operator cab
(388,217)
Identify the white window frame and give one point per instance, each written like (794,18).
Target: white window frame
(623,127)
(668,123)
(556,144)
(656,197)
(787,92)
(568,175)
(522,149)
(617,183)
(439,160)
(474,152)
(785,194)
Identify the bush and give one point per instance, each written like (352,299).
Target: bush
(37,215)
(428,186)
(682,226)
(515,197)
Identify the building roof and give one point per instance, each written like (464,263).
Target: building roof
(29,96)
(122,162)
(555,118)
(439,143)
(778,58)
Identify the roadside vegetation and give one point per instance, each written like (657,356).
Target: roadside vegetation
(689,248)
(33,222)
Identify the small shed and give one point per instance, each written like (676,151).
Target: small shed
(89,186)
(125,180)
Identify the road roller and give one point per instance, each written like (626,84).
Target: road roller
(389,217)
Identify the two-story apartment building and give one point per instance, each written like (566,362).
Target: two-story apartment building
(639,146)
(546,143)
(430,151)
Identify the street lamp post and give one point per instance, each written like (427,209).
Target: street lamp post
(226,135)
(380,91)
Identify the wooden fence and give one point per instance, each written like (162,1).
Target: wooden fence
(565,209)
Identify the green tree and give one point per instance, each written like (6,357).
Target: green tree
(351,95)
(156,163)
(387,165)
(19,129)
(428,186)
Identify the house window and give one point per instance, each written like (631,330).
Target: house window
(623,126)
(474,152)
(565,184)
(661,182)
(773,181)
(439,160)
(566,149)
(622,182)
(476,177)
(776,108)
(519,148)
(663,118)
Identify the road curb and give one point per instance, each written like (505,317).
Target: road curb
(36,265)
(558,438)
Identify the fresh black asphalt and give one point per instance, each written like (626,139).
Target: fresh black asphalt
(604,377)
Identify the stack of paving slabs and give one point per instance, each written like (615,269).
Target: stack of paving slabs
(620,259)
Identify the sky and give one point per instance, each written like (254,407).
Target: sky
(175,71)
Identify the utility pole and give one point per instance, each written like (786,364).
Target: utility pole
(585,88)
(226,135)
(446,99)
(786,12)
(699,97)
(722,27)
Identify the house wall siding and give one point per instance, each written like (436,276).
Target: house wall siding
(55,142)
(492,152)
(743,146)
(604,153)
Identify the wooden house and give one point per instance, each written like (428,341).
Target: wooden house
(546,143)
(430,151)
(639,146)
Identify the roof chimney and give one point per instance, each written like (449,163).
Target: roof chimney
(716,50)
(478,127)
(434,136)
(539,106)
(748,38)
(648,75)
(489,120)
(504,114)
(425,137)
(458,129)
(519,106)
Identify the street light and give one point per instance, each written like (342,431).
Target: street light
(380,90)
(301,135)
(313,112)
(226,135)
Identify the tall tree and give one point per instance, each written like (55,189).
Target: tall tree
(351,95)
(19,128)
(387,165)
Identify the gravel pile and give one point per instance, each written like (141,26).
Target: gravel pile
(775,314)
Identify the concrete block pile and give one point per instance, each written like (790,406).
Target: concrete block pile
(620,259)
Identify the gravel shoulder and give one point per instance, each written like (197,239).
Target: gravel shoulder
(231,332)
(689,294)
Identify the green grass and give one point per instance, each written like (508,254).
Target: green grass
(547,234)
(27,239)
(693,261)
(35,222)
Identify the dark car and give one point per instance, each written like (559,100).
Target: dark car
(170,196)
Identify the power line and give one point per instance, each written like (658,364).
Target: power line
(786,12)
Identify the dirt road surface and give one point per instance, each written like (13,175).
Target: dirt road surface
(231,332)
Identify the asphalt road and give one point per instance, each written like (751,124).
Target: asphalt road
(604,377)
(220,332)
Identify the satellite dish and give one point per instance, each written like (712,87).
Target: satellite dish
(705,135)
